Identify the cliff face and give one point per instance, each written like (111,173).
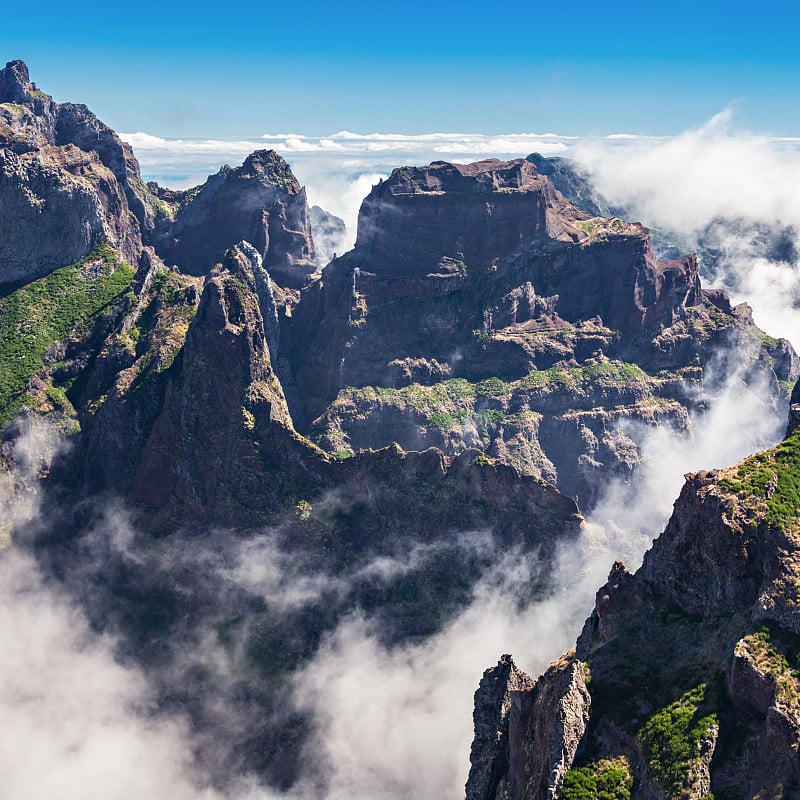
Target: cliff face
(260,202)
(693,661)
(480,309)
(480,313)
(67,183)
(245,462)
(460,219)
(433,219)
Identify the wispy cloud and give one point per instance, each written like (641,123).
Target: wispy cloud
(738,182)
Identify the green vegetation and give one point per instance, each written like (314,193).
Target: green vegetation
(671,739)
(601,780)
(776,653)
(16,108)
(598,225)
(492,387)
(35,316)
(772,476)
(424,398)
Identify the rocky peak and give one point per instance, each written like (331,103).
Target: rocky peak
(15,83)
(273,166)
(67,183)
(694,686)
(260,202)
(489,756)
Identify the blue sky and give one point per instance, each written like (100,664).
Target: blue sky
(247,68)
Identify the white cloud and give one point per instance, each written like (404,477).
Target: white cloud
(76,724)
(738,417)
(397,722)
(685,183)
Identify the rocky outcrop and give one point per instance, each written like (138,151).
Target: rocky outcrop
(526,732)
(67,183)
(693,659)
(500,688)
(565,176)
(260,202)
(538,329)
(34,199)
(244,464)
(454,219)
(434,219)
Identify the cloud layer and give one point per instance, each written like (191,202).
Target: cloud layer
(737,184)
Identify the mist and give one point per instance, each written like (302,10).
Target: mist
(397,723)
(77,724)
(713,187)
(721,190)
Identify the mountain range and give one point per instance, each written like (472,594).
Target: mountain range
(209,388)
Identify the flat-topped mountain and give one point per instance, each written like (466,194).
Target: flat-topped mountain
(461,218)
(481,309)
(446,217)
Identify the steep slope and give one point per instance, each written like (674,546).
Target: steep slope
(480,309)
(67,183)
(191,446)
(692,664)
(260,202)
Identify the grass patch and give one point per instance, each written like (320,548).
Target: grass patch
(35,316)
(774,476)
(670,740)
(601,780)
(776,653)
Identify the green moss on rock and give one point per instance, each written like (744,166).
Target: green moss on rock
(671,740)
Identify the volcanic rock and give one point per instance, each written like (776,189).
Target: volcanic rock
(694,686)
(260,202)
(67,183)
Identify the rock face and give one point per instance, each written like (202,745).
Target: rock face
(452,218)
(500,688)
(260,202)
(480,309)
(480,312)
(526,732)
(564,176)
(67,183)
(433,219)
(694,659)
